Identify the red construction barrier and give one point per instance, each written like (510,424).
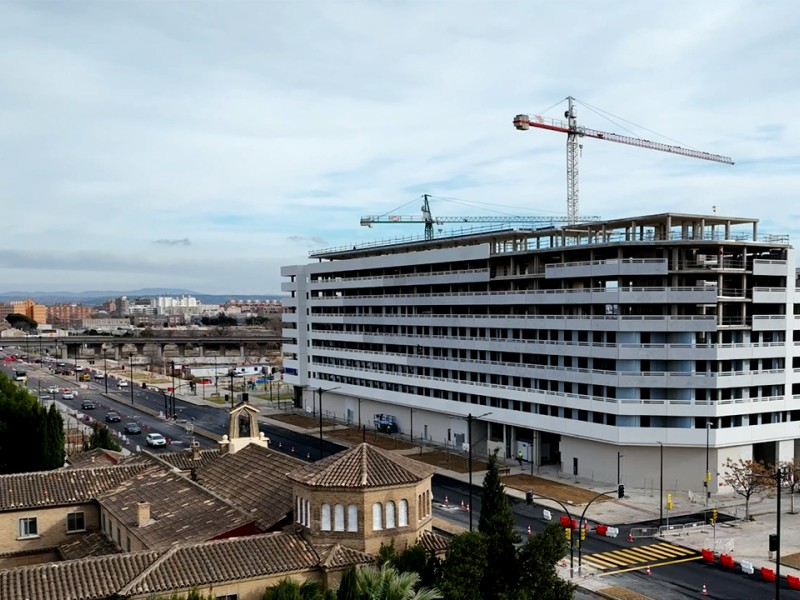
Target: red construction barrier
(726,560)
(564,520)
(601,529)
(767,574)
(708,555)
(574,523)
(793,581)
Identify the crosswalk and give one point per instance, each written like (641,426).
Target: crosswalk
(650,555)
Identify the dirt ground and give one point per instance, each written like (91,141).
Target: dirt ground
(623,594)
(448,460)
(356,436)
(301,420)
(793,560)
(552,489)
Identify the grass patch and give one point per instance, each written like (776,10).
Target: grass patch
(552,489)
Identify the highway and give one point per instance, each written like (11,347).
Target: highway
(675,572)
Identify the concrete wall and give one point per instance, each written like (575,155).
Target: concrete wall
(51,524)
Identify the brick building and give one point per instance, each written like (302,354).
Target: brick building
(68,315)
(37,312)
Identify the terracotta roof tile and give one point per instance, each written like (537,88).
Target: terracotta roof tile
(63,486)
(362,466)
(185,462)
(86,579)
(434,542)
(336,556)
(254,479)
(94,543)
(99,457)
(187,566)
(180,510)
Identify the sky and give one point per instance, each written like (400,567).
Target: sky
(203,145)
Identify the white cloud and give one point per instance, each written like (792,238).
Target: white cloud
(258,129)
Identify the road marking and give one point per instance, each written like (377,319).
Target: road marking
(639,555)
(639,567)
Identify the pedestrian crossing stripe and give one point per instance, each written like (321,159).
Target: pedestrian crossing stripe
(653,553)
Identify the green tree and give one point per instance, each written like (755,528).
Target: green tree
(348,586)
(538,558)
(415,559)
(26,425)
(22,322)
(463,568)
(387,583)
(497,525)
(288,589)
(101,438)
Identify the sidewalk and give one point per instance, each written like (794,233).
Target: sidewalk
(745,541)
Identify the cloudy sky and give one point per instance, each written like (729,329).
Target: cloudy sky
(202,145)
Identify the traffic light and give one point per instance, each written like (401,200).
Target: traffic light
(773,542)
(714,515)
(708,475)
(568,533)
(621,491)
(669,501)
(529,497)
(583,533)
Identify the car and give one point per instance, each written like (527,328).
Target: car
(69,395)
(132,428)
(53,389)
(61,364)
(122,383)
(84,377)
(87,405)
(113,417)
(99,376)
(78,368)
(155,439)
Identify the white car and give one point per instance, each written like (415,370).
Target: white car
(53,389)
(78,368)
(155,439)
(122,383)
(68,395)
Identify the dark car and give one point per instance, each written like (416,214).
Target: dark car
(113,417)
(87,405)
(132,428)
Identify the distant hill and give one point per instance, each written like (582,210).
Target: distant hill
(93,297)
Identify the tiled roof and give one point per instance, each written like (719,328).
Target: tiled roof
(185,462)
(254,479)
(362,466)
(180,510)
(87,579)
(336,556)
(180,567)
(62,486)
(197,565)
(94,543)
(434,542)
(99,457)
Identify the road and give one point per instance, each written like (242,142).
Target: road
(675,573)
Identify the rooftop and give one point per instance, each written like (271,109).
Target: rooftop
(362,466)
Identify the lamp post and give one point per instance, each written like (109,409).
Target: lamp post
(709,424)
(470,419)
(216,375)
(105,369)
(778,482)
(619,465)
(661,489)
(172,366)
(321,391)
(231,373)
(130,360)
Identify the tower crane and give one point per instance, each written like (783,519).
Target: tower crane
(429,220)
(573,131)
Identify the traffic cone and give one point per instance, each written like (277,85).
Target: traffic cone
(647,572)
(446,500)
(467,507)
(529,529)
(462,504)
(705,590)
(630,537)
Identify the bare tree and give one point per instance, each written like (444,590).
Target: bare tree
(791,478)
(748,478)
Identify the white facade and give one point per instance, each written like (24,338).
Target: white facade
(590,346)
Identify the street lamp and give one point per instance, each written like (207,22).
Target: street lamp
(778,482)
(130,359)
(470,419)
(231,373)
(661,488)
(321,391)
(105,369)
(172,366)
(707,480)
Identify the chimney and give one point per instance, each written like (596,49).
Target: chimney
(142,514)
(195,450)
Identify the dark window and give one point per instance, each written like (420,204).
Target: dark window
(75,522)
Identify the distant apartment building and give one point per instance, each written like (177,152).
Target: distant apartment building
(68,315)
(105,323)
(37,312)
(170,305)
(253,308)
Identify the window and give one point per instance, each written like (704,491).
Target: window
(227,597)
(352,518)
(390,520)
(325,517)
(307,513)
(402,517)
(28,527)
(298,510)
(377,514)
(338,517)
(75,522)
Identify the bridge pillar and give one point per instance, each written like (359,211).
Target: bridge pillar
(241,351)
(202,351)
(117,352)
(181,350)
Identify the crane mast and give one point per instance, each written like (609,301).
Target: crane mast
(523,122)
